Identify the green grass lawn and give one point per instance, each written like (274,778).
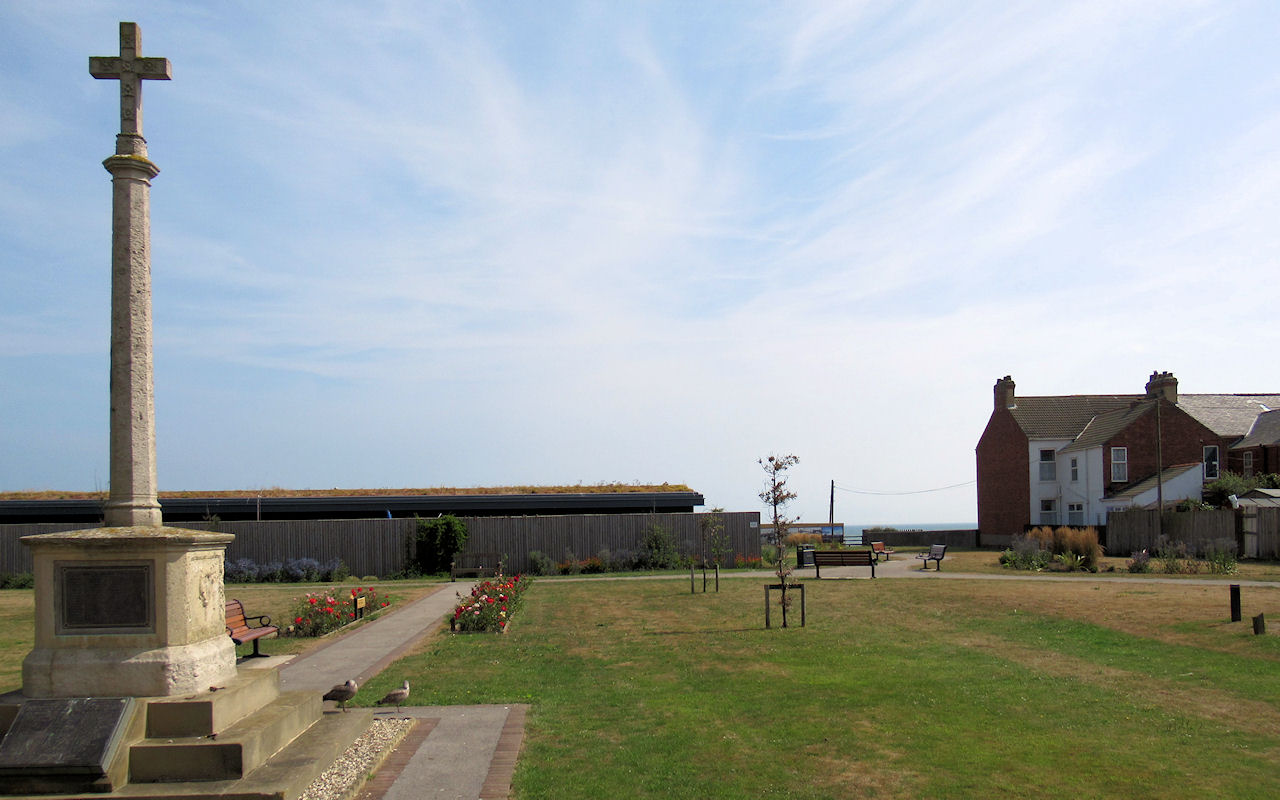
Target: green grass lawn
(897,688)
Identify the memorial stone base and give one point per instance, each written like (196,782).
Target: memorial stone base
(128,612)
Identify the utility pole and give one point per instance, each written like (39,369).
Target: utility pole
(1159,474)
(831,509)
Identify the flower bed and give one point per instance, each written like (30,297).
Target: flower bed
(318,614)
(490,606)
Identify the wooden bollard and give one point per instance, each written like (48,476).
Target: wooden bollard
(1235,602)
(1259,625)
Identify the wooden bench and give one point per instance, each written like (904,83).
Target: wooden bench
(878,549)
(935,554)
(843,558)
(239,630)
(474,565)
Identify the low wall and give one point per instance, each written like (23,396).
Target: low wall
(959,538)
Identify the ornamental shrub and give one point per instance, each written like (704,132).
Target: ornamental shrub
(490,605)
(1082,542)
(18,580)
(658,549)
(1140,561)
(1027,552)
(295,570)
(434,544)
(1220,555)
(319,613)
(542,563)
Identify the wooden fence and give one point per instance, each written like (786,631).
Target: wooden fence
(1267,526)
(377,547)
(1134,530)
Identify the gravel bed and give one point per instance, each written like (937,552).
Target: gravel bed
(352,768)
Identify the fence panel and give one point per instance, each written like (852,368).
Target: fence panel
(586,535)
(378,546)
(1137,529)
(1269,533)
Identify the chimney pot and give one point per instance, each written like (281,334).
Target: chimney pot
(1004,394)
(1163,384)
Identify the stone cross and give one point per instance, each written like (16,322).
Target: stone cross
(132,500)
(130,68)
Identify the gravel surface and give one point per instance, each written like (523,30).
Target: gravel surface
(354,766)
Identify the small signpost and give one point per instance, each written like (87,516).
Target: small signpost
(361,602)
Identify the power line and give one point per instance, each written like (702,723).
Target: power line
(916,491)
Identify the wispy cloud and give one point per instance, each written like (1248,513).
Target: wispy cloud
(591,242)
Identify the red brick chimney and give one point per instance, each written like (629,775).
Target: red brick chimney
(1004,393)
(1163,384)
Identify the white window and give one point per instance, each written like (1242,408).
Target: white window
(1119,465)
(1075,513)
(1247,458)
(1211,462)
(1048,512)
(1075,470)
(1048,465)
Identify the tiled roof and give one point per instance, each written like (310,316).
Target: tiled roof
(1107,424)
(1228,415)
(1266,430)
(1066,416)
(1092,419)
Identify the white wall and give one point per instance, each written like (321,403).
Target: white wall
(1046,490)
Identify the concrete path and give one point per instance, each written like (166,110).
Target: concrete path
(455,752)
(368,650)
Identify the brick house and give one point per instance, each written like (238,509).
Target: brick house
(1069,460)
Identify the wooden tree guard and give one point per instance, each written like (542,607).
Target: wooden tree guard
(790,587)
(692,584)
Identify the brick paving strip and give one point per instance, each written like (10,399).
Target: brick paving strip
(502,767)
(395,762)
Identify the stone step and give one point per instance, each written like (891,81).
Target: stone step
(212,712)
(232,753)
(283,777)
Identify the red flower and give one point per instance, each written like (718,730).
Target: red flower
(311,600)
(298,620)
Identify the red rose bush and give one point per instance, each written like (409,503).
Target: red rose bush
(490,605)
(319,613)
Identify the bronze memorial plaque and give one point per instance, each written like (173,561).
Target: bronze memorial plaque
(105,598)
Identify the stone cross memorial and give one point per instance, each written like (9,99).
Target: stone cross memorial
(132,609)
(132,500)
(133,677)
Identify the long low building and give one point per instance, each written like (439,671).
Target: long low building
(20,508)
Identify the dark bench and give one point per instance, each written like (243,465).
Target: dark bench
(935,554)
(239,630)
(878,549)
(474,565)
(843,558)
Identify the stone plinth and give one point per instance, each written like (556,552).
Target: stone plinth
(128,612)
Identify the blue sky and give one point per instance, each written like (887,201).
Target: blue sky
(405,244)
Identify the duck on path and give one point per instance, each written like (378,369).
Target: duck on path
(342,693)
(397,696)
